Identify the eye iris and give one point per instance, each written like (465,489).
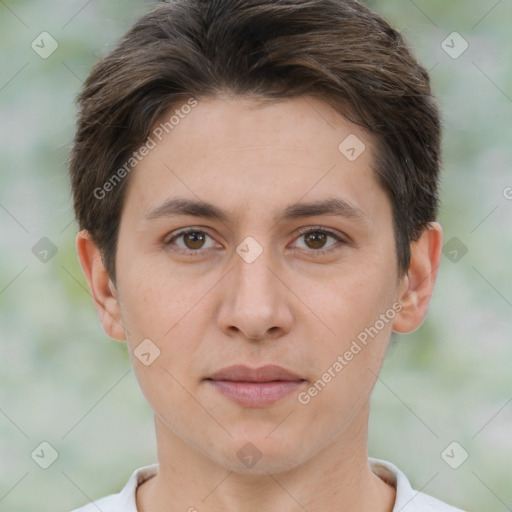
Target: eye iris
(317,238)
(194,239)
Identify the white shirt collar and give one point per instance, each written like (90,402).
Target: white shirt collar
(407,499)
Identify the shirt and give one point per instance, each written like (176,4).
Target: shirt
(407,499)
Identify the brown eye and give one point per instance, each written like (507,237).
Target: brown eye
(190,241)
(315,239)
(194,239)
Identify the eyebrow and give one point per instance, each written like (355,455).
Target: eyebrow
(180,206)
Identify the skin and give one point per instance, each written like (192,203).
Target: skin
(291,306)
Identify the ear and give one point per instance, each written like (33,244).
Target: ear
(418,285)
(102,289)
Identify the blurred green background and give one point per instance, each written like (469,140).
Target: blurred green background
(64,382)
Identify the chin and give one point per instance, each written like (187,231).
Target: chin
(259,455)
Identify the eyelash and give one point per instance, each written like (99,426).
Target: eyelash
(302,232)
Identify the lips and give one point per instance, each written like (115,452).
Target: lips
(267,373)
(255,387)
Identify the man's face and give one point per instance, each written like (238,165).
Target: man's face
(297,293)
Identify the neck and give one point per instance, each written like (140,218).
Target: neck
(338,478)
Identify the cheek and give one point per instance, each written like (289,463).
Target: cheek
(171,310)
(345,373)
(171,320)
(351,301)
(157,303)
(357,313)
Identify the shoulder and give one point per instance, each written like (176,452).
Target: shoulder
(407,499)
(123,501)
(424,503)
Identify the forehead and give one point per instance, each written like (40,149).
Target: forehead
(239,153)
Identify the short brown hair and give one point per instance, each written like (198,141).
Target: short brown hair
(337,50)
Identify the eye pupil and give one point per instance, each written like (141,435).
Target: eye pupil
(317,238)
(194,239)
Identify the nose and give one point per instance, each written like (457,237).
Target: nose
(255,300)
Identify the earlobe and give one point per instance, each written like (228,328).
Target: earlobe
(102,289)
(417,287)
